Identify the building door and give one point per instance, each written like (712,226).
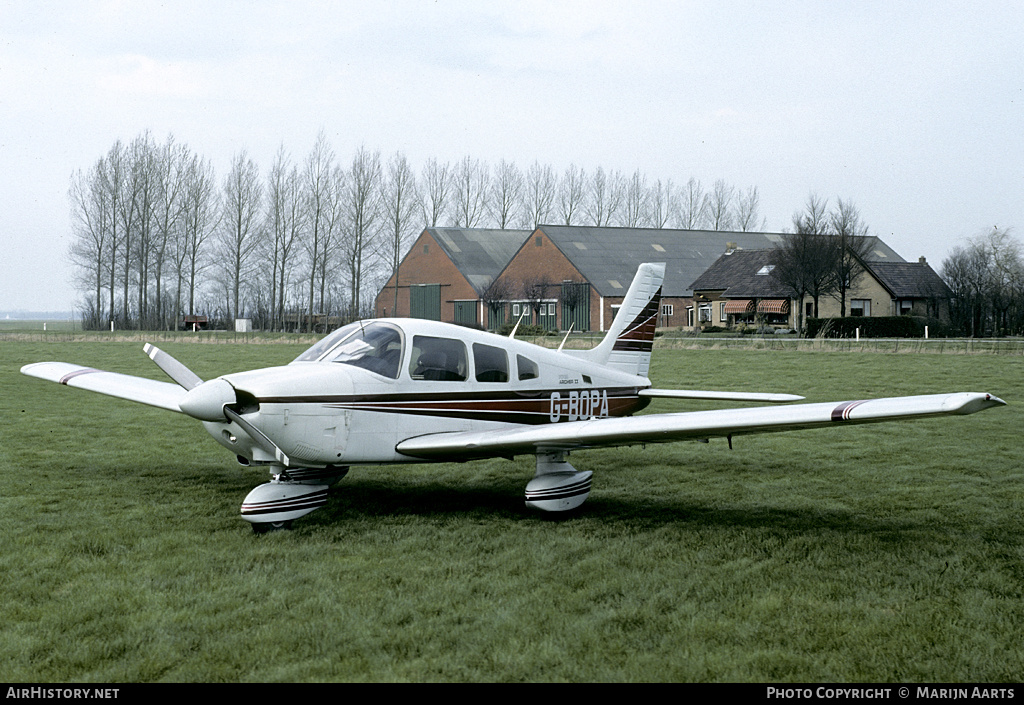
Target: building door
(425,301)
(465,312)
(576,306)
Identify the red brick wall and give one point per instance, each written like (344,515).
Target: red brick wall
(426,263)
(540,260)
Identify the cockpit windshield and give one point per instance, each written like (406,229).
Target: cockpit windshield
(374,346)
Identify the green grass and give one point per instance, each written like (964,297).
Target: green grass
(892,552)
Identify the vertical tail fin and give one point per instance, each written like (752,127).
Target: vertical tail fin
(628,343)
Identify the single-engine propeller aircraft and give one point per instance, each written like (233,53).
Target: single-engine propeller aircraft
(390,391)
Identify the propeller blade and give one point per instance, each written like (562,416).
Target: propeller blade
(174,369)
(257,435)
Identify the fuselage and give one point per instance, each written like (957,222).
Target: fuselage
(352,397)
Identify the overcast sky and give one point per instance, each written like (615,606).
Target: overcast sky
(912,110)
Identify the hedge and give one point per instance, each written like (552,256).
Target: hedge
(875,327)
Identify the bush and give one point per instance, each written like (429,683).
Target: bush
(876,327)
(525,330)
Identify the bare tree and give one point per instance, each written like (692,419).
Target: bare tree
(570,194)
(987,280)
(748,211)
(362,211)
(92,224)
(398,206)
(240,232)
(170,174)
(662,202)
(471,186)
(283,218)
(435,192)
(692,213)
(805,263)
(635,202)
(320,196)
(506,195)
(851,247)
(539,193)
(720,206)
(200,219)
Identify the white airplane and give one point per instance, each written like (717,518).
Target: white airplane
(407,390)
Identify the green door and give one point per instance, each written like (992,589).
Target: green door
(425,301)
(465,312)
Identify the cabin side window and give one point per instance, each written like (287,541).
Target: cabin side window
(527,368)
(438,359)
(491,363)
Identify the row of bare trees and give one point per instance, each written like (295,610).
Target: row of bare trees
(987,279)
(158,236)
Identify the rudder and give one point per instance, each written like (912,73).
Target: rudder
(629,341)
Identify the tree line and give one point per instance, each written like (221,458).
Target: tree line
(158,235)
(986,276)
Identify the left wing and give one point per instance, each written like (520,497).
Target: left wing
(693,425)
(163,395)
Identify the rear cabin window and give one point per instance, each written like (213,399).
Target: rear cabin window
(438,359)
(527,368)
(491,363)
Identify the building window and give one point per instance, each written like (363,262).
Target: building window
(860,307)
(704,315)
(667,309)
(722,315)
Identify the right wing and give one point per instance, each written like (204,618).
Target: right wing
(163,395)
(692,425)
(721,396)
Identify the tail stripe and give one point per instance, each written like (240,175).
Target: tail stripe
(639,334)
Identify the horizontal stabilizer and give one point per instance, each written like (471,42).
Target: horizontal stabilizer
(692,425)
(163,395)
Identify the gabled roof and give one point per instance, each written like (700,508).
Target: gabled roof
(609,257)
(910,280)
(479,253)
(744,274)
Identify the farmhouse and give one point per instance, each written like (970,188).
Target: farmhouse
(739,289)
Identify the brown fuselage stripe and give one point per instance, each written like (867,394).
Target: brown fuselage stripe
(512,407)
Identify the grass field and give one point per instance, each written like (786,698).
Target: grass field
(891,553)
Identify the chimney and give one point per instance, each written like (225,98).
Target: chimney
(922,260)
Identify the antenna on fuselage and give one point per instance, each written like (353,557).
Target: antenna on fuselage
(516,326)
(566,336)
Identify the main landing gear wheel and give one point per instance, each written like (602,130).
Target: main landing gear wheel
(265,527)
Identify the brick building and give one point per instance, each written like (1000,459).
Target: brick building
(558,276)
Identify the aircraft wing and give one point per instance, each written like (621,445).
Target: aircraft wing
(721,396)
(164,395)
(693,425)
